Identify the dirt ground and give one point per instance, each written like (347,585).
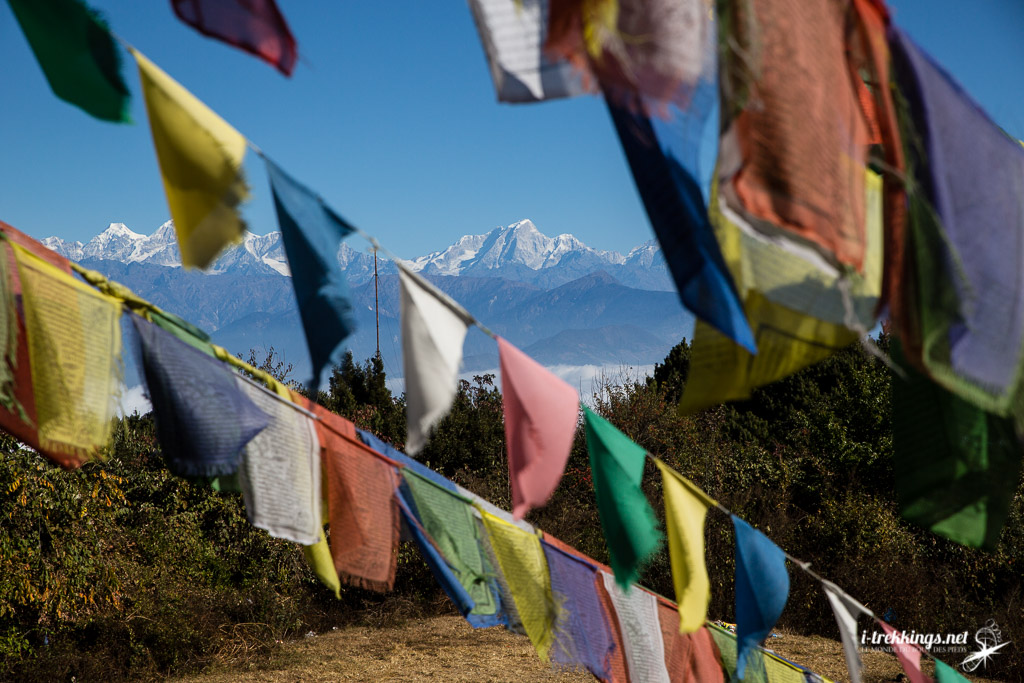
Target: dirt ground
(446,648)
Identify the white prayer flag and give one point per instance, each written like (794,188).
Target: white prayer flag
(512,33)
(280,472)
(433,330)
(644,647)
(846,611)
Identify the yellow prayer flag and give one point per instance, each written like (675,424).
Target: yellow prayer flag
(522,562)
(200,157)
(74,344)
(795,306)
(319,558)
(686,507)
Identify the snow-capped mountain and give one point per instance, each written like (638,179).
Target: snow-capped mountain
(119,243)
(517,252)
(518,244)
(563,302)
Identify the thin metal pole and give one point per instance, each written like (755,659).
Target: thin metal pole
(376,306)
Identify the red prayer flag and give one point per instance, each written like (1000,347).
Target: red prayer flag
(256,26)
(540,422)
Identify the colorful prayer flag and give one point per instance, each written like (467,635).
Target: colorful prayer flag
(846,611)
(77,54)
(966,237)
(656,48)
(675,207)
(73,334)
(364,517)
(433,330)
(686,508)
(18,409)
(944,673)
(442,571)
(526,571)
(796,171)
(312,234)
(908,654)
(200,158)
(956,467)
(203,419)
(637,612)
(762,587)
(689,657)
(629,525)
(255,26)
(449,521)
(541,412)
(582,633)
(280,472)
(512,33)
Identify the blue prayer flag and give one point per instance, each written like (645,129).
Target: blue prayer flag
(203,418)
(312,233)
(676,208)
(762,587)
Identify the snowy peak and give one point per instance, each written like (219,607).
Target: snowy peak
(518,252)
(519,245)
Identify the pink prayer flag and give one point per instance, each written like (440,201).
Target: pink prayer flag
(541,412)
(908,654)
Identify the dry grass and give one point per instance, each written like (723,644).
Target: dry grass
(447,648)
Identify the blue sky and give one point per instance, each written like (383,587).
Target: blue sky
(391,116)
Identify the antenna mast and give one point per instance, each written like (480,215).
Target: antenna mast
(376,307)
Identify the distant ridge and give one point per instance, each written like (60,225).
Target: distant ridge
(564,302)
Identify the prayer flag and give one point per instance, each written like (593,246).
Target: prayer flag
(676,209)
(908,654)
(967,238)
(256,26)
(11,332)
(512,33)
(541,412)
(762,586)
(77,54)
(312,233)
(433,330)
(637,612)
(582,634)
(689,657)
(796,171)
(362,507)
(526,571)
(629,525)
(956,467)
(762,667)
(656,48)
(448,520)
(280,473)
(203,418)
(617,662)
(200,158)
(513,622)
(846,611)
(18,409)
(686,507)
(944,673)
(73,334)
(442,572)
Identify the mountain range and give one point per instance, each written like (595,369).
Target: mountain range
(562,302)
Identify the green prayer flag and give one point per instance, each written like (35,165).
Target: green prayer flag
(629,525)
(956,466)
(449,521)
(183,330)
(944,673)
(77,54)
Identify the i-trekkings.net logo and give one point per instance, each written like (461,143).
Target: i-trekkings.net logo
(988,640)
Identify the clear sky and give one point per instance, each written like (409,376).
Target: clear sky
(392,117)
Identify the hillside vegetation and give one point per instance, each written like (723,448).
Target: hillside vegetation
(121,570)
